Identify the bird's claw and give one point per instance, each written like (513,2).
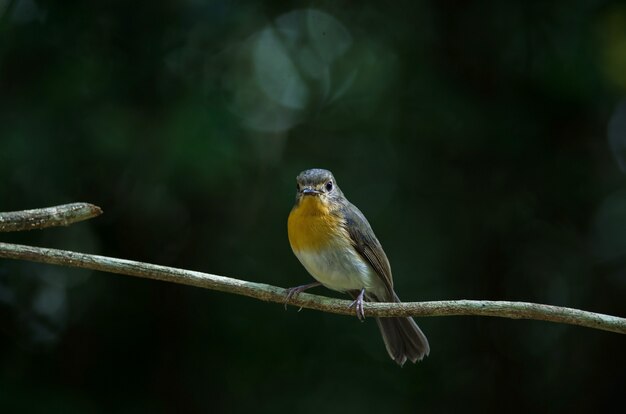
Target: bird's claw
(295,291)
(358,306)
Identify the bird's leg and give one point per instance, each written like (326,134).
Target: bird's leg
(358,305)
(295,291)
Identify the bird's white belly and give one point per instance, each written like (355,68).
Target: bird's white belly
(341,270)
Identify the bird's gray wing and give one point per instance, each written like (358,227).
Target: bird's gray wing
(368,246)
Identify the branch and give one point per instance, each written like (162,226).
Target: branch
(514,310)
(47,217)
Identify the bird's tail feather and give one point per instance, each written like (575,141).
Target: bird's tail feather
(403,338)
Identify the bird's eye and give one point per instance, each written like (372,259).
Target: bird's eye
(297,187)
(329,186)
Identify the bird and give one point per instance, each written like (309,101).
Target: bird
(335,243)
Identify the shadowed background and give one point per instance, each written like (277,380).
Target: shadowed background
(485,142)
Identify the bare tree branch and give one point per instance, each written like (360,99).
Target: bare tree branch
(41,218)
(514,310)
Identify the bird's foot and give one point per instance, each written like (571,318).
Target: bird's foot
(358,305)
(295,291)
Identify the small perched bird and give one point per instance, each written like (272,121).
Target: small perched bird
(336,245)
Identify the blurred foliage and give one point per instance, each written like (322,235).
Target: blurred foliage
(483,140)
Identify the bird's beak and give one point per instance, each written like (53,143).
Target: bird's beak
(310,191)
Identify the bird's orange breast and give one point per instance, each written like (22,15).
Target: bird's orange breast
(311,225)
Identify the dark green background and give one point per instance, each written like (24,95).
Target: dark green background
(472,134)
